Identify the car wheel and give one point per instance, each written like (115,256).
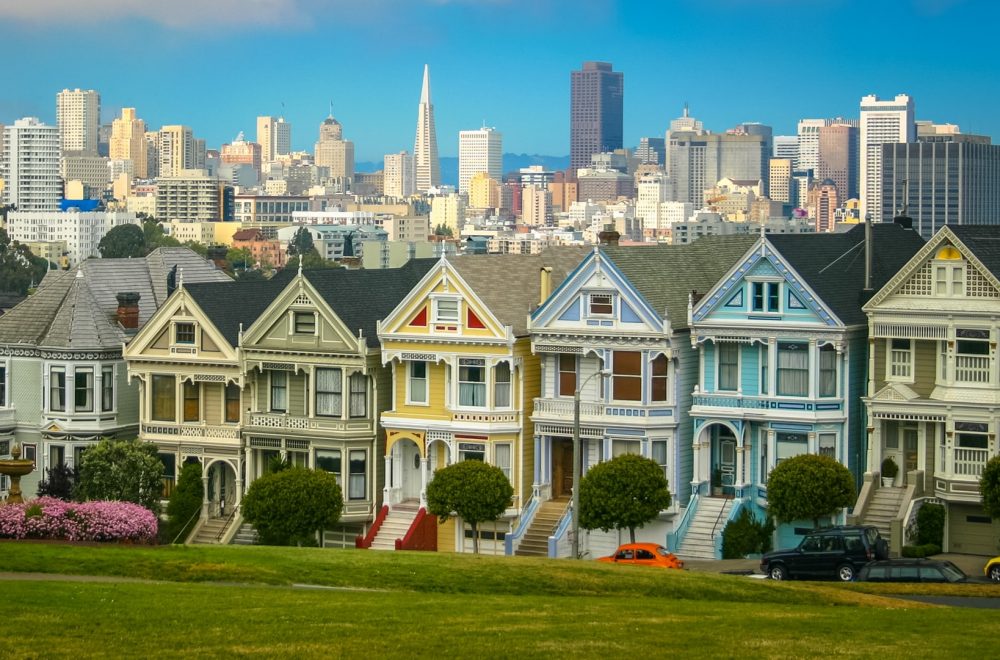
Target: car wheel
(777,572)
(995,572)
(845,573)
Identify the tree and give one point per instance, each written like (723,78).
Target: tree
(199,248)
(311,261)
(989,487)
(20,270)
(624,493)
(291,506)
(185,502)
(301,243)
(59,482)
(123,470)
(808,487)
(473,491)
(156,237)
(443,230)
(123,241)
(239,258)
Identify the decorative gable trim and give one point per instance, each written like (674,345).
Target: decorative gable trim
(180,304)
(895,392)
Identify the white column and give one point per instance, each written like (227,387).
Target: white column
(389,479)
(204,489)
(423,481)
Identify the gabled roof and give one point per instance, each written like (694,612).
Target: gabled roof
(665,275)
(510,284)
(833,264)
(983,241)
(230,305)
(76,309)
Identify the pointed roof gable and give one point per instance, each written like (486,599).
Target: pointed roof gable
(983,241)
(510,284)
(230,305)
(833,265)
(665,275)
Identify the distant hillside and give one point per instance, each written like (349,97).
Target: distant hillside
(511,163)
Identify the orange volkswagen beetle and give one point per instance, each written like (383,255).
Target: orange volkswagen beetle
(643,554)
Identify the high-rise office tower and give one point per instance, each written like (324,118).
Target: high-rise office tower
(274,135)
(128,142)
(480,150)
(652,151)
(697,162)
(780,180)
(882,122)
(176,150)
(78,115)
(822,203)
(397,175)
(334,152)
(596,97)
(808,138)
(426,166)
(837,159)
(29,166)
(786,146)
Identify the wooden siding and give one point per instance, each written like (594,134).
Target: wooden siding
(925,364)
(686,378)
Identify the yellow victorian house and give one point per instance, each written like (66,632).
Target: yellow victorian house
(463,387)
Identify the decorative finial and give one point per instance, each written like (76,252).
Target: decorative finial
(180,277)
(300,265)
(79,273)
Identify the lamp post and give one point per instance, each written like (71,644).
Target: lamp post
(576,459)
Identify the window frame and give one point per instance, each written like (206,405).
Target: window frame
(890,365)
(508,468)
(335,394)
(566,377)
(352,487)
(339,459)
(304,323)
(412,378)
(503,386)
(436,316)
(658,380)
(186,326)
(171,391)
(781,371)
(358,392)
(477,385)
(87,390)
(273,387)
(765,296)
(656,443)
(601,304)
(831,450)
(622,380)
(190,401)
(228,400)
(60,371)
(821,370)
(4,370)
(734,367)
(108,388)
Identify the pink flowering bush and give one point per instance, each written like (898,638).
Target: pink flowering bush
(49,518)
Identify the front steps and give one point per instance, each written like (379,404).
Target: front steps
(699,541)
(210,532)
(883,509)
(245,535)
(395,526)
(535,542)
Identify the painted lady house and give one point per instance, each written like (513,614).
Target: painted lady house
(782,350)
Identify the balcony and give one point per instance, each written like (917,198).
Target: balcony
(957,476)
(741,402)
(198,431)
(591,412)
(968,462)
(972,369)
(263,421)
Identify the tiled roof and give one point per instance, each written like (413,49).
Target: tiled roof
(984,241)
(833,265)
(666,275)
(231,305)
(510,284)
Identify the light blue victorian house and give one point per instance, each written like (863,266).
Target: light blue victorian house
(782,348)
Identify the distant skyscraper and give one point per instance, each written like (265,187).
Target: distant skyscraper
(334,152)
(274,135)
(652,151)
(29,166)
(397,175)
(780,180)
(808,152)
(596,98)
(786,146)
(128,142)
(176,150)
(698,162)
(838,159)
(882,122)
(480,150)
(426,166)
(78,114)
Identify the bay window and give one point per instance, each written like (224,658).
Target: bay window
(729,366)
(626,376)
(83,390)
(57,389)
(329,460)
(827,371)
(357,474)
(416,388)
(501,385)
(793,369)
(164,393)
(471,382)
(329,388)
(359,395)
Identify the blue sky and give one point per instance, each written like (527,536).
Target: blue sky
(217,64)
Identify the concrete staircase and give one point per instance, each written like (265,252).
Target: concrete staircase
(535,542)
(699,542)
(245,535)
(395,525)
(209,532)
(883,508)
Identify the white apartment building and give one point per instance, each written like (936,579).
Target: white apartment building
(78,117)
(807,156)
(536,206)
(882,122)
(480,150)
(189,197)
(785,146)
(175,150)
(398,180)
(29,166)
(653,190)
(780,179)
(449,211)
(80,231)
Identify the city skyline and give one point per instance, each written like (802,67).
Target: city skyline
(502,63)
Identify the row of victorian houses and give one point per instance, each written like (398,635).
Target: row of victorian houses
(716,359)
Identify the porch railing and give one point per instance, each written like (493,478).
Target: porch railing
(970,462)
(562,408)
(365,541)
(526,517)
(972,368)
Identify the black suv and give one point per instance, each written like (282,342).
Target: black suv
(830,552)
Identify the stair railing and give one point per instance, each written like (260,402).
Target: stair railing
(184,529)
(560,533)
(733,512)
(522,527)
(365,542)
(676,537)
(718,519)
(229,521)
(422,534)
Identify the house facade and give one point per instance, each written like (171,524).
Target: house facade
(616,329)
(464,382)
(934,389)
(782,346)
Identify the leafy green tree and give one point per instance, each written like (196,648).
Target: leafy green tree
(808,487)
(239,259)
(250,275)
(291,506)
(311,261)
(200,248)
(443,230)
(59,482)
(989,487)
(123,241)
(20,270)
(473,491)
(301,243)
(124,470)
(156,237)
(185,502)
(624,493)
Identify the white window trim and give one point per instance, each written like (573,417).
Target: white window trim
(781,296)
(889,377)
(94,405)
(493,385)
(739,368)
(270,393)
(50,368)
(509,471)
(114,389)
(427,384)
(457,384)
(6,403)
(173,333)
(436,299)
(613,300)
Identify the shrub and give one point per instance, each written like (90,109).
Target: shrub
(473,490)
(889,468)
(746,534)
(59,482)
(807,487)
(989,487)
(624,493)
(930,525)
(921,551)
(185,502)
(291,506)
(122,470)
(49,518)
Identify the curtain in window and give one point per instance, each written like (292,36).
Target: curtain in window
(793,369)
(359,395)
(356,479)
(828,371)
(83,386)
(502,455)
(107,389)
(501,385)
(328,392)
(164,398)
(471,386)
(729,366)
(279,391)
(658,452)
(57,390)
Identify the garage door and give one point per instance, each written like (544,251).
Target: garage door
(970,531)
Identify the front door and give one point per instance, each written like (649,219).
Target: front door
(411,477)
(909,451)
(562,467)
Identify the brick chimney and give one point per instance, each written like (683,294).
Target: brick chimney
(217,254)
(128,309)
(609,236)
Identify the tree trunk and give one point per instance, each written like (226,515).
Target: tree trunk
(475,538)
(631,534)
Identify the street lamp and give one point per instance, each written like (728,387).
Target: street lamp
(576,459)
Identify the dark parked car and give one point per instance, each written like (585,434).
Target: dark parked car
(830,552)
(911,570)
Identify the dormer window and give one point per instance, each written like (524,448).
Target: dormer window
(601,304)
(184,333)
(766,297)
(446,310)
(304,323)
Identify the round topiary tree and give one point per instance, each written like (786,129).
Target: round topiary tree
(291,506)
(989,487)
(123,470)
(473,491)
(624,493)
(185,502)
(808,487)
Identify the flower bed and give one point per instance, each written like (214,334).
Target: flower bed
(49,518)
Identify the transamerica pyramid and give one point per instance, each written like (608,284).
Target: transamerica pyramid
(426,166)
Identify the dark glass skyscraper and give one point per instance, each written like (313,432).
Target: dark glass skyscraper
(596,94)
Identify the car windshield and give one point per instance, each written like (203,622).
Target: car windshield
(663,552)
(952,573)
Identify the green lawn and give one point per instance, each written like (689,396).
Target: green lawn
(425,604)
